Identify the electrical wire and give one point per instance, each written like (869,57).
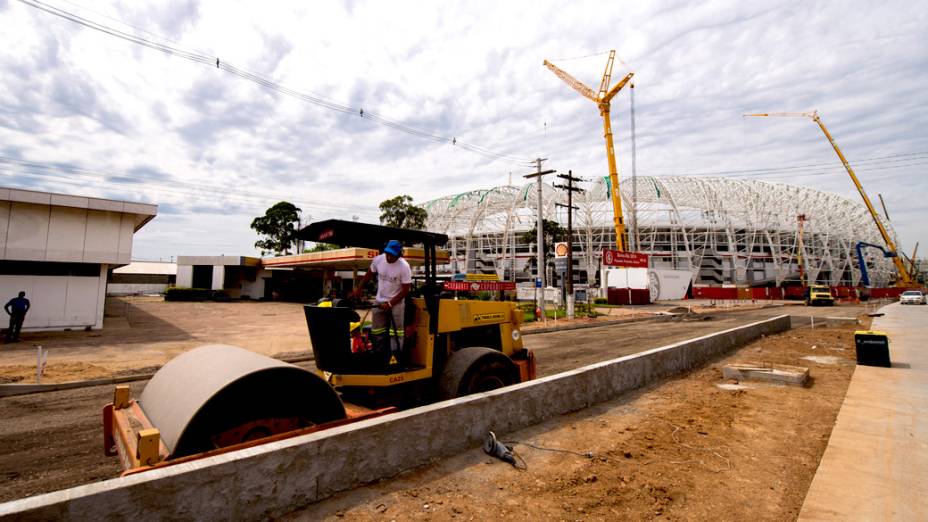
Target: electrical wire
(600,53)
(588,454)
(214,61)
(876,163)
(84,177)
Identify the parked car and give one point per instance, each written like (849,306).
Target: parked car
(912,297)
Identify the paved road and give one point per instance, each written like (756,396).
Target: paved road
(567,350)
(876,464)
(53,440)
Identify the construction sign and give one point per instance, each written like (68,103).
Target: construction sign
(478,286)
(625,259)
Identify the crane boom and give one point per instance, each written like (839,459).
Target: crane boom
(607,76)
(905,278)
(602,101)
(576,84)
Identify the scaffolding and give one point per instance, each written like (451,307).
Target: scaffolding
(723,230)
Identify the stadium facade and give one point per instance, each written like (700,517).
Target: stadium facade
(722,230)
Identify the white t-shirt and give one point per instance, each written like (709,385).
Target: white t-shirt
(390,276)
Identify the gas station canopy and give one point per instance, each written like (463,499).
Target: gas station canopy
(346,259)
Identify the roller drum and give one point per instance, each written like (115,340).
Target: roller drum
(215,389)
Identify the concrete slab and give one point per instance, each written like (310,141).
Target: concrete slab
(780,373)
(876,464)
(279,477)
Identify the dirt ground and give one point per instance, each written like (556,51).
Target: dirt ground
(51,441)
(142,333)
(692,448)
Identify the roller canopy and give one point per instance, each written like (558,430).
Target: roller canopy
(354,234)
(214,388)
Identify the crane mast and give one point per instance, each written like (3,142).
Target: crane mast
(602,100)
(905,278)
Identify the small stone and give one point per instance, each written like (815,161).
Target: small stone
(425,506)
(590,479)
(627,455)
(457,510)
(339,514)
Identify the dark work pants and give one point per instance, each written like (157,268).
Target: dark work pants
(16,324)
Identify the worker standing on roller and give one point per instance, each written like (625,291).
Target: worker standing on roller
(394,278)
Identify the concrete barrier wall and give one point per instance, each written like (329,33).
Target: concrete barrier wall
(274,479)
(799,321)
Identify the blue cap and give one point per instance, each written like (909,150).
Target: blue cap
(394,247)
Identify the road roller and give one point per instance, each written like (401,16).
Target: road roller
(219,398)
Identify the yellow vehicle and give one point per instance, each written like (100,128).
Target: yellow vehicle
(819,295)
(221,398)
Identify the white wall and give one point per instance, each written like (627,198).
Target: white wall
(617,277)
(58,301)
(255,289)
(184,276)
(43,232)
(219,275)
(135,288)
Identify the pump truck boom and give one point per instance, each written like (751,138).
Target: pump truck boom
(219,398)
(862,263)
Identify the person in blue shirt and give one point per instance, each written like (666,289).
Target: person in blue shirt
(16,308)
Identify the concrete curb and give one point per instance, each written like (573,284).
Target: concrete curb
(277,478)
(581,326)
(799,321)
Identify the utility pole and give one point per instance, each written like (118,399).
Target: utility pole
(801,218)
(633,237)
(570,188)
(541,276)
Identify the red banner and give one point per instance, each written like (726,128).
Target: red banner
(478,286)
(625,259)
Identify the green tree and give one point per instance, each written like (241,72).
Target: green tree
(321,247)
(399,212)
(553,233)
(277,226)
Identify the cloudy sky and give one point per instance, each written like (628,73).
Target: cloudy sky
(85,112)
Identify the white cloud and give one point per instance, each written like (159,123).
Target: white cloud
(215,150)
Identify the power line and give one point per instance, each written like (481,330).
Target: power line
(68,175)
(205,59)
(818,169)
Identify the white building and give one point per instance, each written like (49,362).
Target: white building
(141,277)
(58,249)
(238,276)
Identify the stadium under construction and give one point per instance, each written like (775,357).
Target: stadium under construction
(723,231)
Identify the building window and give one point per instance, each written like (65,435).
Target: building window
(48,268)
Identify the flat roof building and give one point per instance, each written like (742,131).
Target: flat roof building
(58,249)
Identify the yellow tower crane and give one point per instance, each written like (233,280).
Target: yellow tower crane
(905,278)
(602,100)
